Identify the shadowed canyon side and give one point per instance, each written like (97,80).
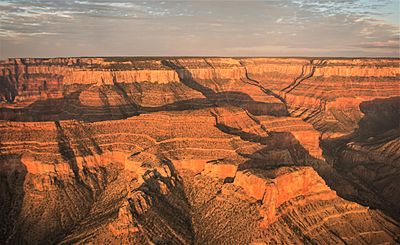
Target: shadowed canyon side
(200,151)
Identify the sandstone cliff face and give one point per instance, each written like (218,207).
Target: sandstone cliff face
(199,150)
(323,92)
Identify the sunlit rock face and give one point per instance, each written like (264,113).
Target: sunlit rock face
(199,151)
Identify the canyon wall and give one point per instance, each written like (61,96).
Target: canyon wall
(199,150)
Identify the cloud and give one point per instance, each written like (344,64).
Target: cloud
(43,15)
(126,6)
(388,44)
(355,27)
(13,34)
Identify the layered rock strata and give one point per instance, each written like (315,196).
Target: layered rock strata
(199,150)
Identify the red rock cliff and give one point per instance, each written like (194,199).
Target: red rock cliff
(199,150)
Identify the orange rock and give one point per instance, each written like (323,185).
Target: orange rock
(220,170)
(198,150)
(275,187)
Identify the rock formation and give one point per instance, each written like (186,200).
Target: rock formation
(199,151)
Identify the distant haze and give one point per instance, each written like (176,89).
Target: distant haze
(42,28)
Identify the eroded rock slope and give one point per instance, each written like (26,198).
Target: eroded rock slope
(199,151)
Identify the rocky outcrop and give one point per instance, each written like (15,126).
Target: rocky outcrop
(199,150)
(274,187)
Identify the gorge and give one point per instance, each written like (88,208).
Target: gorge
(192,150)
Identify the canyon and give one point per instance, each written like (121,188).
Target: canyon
(192,150)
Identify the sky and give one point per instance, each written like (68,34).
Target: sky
(351,28)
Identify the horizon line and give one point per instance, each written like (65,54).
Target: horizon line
(205,56)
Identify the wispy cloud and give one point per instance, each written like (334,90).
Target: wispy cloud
(126,7)
(44,13)
(123,27)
